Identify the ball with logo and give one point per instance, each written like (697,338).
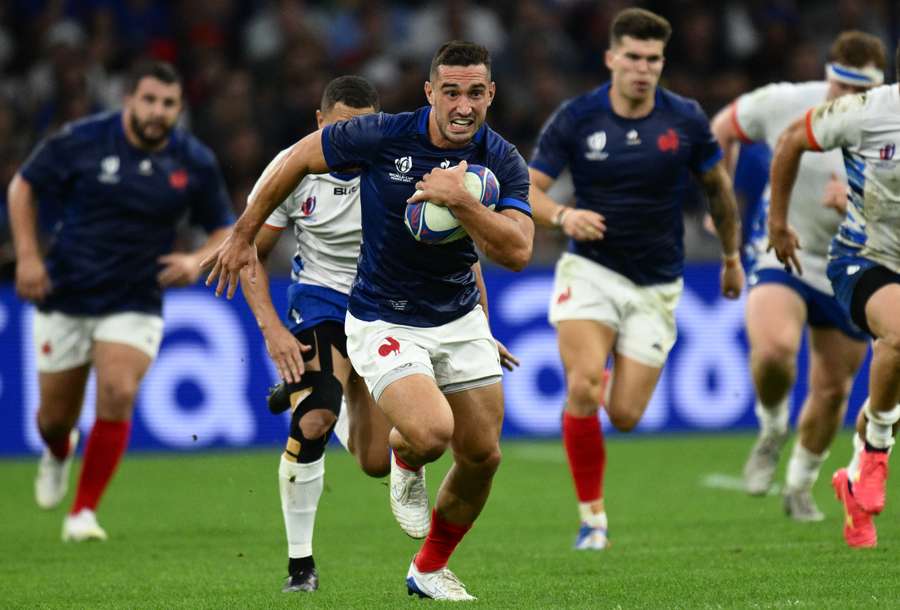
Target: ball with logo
(430,223)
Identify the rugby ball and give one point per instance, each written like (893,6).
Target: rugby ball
(430,223)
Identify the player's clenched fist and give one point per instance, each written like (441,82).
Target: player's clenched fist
(233,254)
(32,281)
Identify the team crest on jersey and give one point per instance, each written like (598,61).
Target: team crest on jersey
(403,165)
(308,206)
(887,151)
(596,142)
(668,142)
(109,170)
(178,179)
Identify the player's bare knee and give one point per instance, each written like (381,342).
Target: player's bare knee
(430,442)
(485,460)
(117,395)
(585,393)
(317,422)
(831,395)
(376,464)
(775,357)
(624,420)
(889,344)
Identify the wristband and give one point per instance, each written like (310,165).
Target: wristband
(560,216)
(731,260)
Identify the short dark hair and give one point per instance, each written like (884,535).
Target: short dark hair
(857,50)
(352,91)
(460,53)
(160,70)
(639,24)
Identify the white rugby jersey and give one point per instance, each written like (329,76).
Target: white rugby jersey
(762,115)
(866,127)
(327,222)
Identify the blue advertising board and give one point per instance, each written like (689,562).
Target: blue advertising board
(207,388)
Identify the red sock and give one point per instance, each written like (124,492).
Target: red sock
(102,453)
(404,465)
(583,439)
(58,446)
(440,543)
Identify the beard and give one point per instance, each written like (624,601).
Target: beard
(147,140)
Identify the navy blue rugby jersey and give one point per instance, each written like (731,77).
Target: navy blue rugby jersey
(398,279)
(119,210)
(635,172)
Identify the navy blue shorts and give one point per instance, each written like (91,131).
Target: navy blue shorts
(855,279)
(822,310)
(311,305)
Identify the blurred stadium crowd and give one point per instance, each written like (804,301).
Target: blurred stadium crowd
(254,69)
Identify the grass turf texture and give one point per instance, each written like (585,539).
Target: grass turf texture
(205,531)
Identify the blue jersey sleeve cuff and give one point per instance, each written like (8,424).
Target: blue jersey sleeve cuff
(327,150)
(510,203)
(544,168)
(711,161)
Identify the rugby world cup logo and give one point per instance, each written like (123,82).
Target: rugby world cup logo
(109,170)
(403,164)
(596,142)
(887,151)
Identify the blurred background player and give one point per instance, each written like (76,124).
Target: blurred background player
(415,330)
(780,304)
(864,269)
(324,213)
(630,146)
(124,180)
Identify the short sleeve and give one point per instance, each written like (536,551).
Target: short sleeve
(211,206)
(514,183)
(50,165)
(705,151)
(279,218)
(752,111)
(837,123)
(353,143)
(551,155)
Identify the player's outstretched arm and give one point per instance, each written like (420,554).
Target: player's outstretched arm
(506,237)
(578,224)
(278,180)
(724,212)
(32,280)
(283,347)
(785,163)
(725,130)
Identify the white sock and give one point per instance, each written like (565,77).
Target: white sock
(589,517)
(301,487)
(773,420)
(803,468)
(853,466)
(879,428)
(342,426)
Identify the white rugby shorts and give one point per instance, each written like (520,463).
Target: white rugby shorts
(642,316)
(63,341)
(460,355)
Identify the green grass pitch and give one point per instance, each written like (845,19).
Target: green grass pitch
(205,531)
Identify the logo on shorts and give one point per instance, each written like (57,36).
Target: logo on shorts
(668,141)
(852,269)
(390,346)
(46,348)
(564,296)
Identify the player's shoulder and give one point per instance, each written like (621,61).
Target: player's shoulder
(89,128)
(679,105)
(193,151)
(589,102)
(502,151)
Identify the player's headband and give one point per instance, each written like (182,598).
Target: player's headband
(870,76)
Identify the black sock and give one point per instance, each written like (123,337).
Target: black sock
(872,449)
(296,564)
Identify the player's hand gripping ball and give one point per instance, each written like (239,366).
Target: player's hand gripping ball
(435,224)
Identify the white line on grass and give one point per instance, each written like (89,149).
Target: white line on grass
(718,480)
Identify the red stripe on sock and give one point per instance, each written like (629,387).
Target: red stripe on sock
(586,450)
(102,453)
(404,465)
(440,543)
